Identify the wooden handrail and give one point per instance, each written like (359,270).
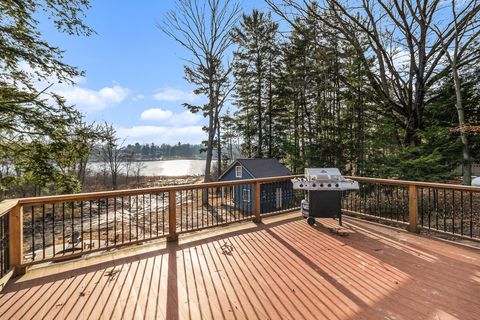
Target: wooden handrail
(132,192)
(416,183)
(7,205)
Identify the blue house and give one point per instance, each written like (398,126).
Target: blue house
(273,196)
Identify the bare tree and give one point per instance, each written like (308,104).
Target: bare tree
(397,36)
(204,30)
(87,136)
(459,50)
(128,159)
(138,166)
(112,153)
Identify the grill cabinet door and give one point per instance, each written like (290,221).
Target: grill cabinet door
(325,204)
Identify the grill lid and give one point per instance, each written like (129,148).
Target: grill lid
(323,174)
(324,179)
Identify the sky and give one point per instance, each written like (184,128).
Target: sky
(133,72)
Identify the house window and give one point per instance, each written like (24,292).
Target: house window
(238,172)
(246,195)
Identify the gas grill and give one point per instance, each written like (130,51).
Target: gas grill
(324,188)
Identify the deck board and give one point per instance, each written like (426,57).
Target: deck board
(281,269)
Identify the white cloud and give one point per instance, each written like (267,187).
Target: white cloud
(184,118)
(85,99)
(162,134)
(172,94)
(156,114)
(90,101)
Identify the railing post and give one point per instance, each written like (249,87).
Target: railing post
(412,208)
(15,241)
(172,216)
(256,203)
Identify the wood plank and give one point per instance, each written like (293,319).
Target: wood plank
(280,269)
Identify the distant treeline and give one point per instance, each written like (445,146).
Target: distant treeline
(151,151)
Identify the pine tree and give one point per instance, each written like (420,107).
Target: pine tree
(255,72)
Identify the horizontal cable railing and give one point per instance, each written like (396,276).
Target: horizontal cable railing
(445,208)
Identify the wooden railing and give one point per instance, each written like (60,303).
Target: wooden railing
(42,229)
(444,208)
(52,228)
(9,239)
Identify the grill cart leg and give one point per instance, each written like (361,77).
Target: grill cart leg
(340,220)
(311,221)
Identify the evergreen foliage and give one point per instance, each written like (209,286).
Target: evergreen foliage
(42,139)
(325,111)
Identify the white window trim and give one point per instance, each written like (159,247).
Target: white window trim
(247,193)
(237,175)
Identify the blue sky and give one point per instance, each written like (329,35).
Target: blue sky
(134,72)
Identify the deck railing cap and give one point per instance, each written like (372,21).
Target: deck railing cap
(10,203)
(132,192)
(416,183)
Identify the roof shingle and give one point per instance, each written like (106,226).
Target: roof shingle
(263,168)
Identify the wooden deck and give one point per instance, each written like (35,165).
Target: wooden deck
(281,269)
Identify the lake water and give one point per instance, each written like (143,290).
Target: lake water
(168,168)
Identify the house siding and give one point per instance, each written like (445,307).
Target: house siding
(238,190)
(230,175)
(268,197)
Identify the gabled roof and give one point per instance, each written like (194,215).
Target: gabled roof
(260,168)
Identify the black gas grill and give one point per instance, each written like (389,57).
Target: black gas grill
(324,188)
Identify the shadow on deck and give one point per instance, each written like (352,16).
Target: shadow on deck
(280,269)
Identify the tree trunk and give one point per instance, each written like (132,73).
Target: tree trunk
(219,149)
(259,114)
(466,159)
(270,111)
(211,136)
(114,180)
(411,129)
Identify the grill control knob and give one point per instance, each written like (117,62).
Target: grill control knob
(336,185)
(314,185)
(301,185)
(329,185)
(321,185)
